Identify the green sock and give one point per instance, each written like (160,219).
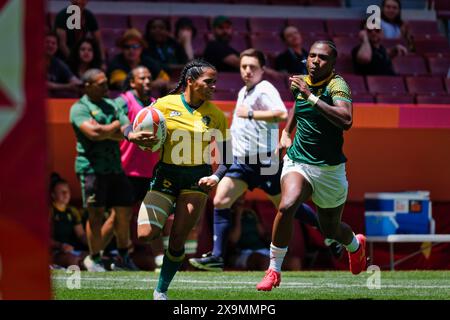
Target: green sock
(170,266)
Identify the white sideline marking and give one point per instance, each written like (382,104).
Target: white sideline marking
(286,285)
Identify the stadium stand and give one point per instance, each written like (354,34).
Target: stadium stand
(420,78)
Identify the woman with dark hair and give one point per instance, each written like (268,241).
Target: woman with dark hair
(84,56)
(161,46)
(183,176)
(185,31)
(391,21)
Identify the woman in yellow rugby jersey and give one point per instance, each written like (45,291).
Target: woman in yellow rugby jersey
(183,176)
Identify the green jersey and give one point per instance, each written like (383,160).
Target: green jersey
(99,157)
(317,140)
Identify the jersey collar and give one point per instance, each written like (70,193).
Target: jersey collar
(320,83)
(188,106)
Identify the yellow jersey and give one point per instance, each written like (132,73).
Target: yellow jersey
(190,131)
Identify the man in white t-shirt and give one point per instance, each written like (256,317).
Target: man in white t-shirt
(254,133)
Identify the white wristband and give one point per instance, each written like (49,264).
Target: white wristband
(313,99)
(214,177)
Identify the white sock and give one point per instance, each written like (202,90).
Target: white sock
(352,246)
(276,257)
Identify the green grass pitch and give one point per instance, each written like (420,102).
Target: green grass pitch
(398,285)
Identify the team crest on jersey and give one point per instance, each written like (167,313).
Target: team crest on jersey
(167,183)
(174,114)
(206,120)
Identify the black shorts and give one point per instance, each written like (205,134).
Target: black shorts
(140,187)
(173,180)
(106,190)
(256,177)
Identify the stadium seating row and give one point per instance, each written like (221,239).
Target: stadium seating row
(334,27)
(398,89)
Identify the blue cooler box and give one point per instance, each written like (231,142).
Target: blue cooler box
(398,213)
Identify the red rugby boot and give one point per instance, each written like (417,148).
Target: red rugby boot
(270,280)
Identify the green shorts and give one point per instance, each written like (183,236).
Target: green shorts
(173,179)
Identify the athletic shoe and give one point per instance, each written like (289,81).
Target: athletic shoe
(160,295)
(336,249)
(357,259)
(123,264)
(270,280)
(207,262)
(93,266)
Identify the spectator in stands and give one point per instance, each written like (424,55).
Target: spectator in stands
(218,51)
(69,241)
(292,60)
(248,241)
(70,37)
(371,57)
(391,22)
(162,47)
(60,80)
(185,32)
(84,56)
(132,45)
(98,122)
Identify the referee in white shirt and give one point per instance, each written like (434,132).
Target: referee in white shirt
(254,132)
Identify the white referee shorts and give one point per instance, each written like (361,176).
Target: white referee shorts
(329,183)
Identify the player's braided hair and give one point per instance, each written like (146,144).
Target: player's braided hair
(330,44)
(193,70)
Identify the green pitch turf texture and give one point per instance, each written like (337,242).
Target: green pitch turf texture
(398,285)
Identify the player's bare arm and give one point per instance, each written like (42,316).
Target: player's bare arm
(340,114)
(98,132)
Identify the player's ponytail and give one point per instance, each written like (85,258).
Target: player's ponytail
(193,70)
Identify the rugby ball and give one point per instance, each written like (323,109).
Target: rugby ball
(152,120)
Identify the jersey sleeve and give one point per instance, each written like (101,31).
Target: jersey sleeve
(122,116)
(160,105)
(76,215)
(222,126)
(79,113)
(271,99)
(340,90)
(121,104)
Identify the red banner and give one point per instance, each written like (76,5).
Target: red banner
(24,228)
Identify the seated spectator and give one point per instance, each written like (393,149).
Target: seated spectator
(69,243)
(391,22)
(132,45)
(60,80)
(292,60)
(70,37)
(162,47)
(371,57)
(185,31)
(218,51)
(249,241)
(84,56)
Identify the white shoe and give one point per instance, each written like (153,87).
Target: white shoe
(92,266)
(160,295)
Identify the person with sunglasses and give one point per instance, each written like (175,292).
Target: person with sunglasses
(371,57)
(132,45)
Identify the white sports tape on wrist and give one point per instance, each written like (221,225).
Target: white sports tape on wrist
(214,177)
(313,99)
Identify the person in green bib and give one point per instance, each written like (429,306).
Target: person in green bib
(98,124)
(314,165)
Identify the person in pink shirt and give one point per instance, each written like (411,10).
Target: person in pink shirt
(137,164)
